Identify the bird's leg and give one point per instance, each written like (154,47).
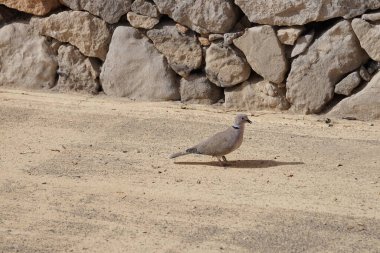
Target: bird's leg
(224,159)
(222,162)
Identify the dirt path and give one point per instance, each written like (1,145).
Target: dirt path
(91,174)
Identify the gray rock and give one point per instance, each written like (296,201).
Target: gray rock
(364,105)
(229,37)
(196,88)
(110,10)
(369,37)
(202,16)
(302,44)
(264,52)
(77,72)
(141,21)
(26,59)
(289,35)
(348,84)
(375,16)
(299,12)
(183,51)
(364,74)
(81,29)
(225,66)
(256,94)
(313,75)
(146,8)
(135,69)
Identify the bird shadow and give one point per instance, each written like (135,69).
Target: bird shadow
(244,164)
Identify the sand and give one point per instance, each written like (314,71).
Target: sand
(91,174)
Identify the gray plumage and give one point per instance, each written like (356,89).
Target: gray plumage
(221,143)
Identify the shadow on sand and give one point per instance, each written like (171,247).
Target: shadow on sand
(244,164)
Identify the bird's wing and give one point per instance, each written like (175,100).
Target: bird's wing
(219,144)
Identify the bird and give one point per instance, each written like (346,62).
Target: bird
(220,144)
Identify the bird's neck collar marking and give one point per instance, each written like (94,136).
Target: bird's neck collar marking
(236,127)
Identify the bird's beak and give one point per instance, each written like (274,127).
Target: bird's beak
(250,122)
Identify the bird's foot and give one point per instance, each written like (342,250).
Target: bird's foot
(223,162)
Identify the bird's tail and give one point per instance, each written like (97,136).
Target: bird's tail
(178,154)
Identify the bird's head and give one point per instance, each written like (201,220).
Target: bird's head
(241,119)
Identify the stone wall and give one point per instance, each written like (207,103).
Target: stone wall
(308,56)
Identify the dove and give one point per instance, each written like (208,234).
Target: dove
(221,143)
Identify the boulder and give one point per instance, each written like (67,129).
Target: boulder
(369,37)
(364,105)
(196,88)
(264,52)
(311,81)
(299,12)
(146,8)
(110,10)
(81,29)
(302,44)
(289,35)
(77,72)
(26,59)
(135,69)
(225,66)
(35,7)
(348,84)
(256,94)
(141,21)
(183,51)
(202,16)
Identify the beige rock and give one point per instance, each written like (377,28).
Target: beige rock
(26,59)
(256,94)
(204,41)
(135,69)
(35,7)
(313,75)
(181,28)
(140,21)
(215,36)
(225,66)
(375,16)
(289,35)
(348,84)
(202,16)
(109,10)
(146,8)
(196,88)
(264,52)
(183,51)
(299,12)
(369,37)
(77,72)
(364,105)
(302,44)
(81,29)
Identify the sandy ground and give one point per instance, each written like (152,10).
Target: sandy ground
(91,174)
